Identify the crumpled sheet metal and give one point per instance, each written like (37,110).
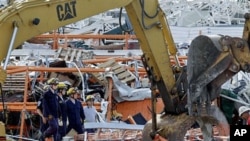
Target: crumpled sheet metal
(126,93)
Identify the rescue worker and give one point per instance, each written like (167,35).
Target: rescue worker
(75,112)
(61,91)
(243,115)
(68,84)
(43,122)
(51,109)
(90,112)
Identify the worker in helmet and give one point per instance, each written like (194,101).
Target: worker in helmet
(51,109)
(79,97)
(243,115)
(43,121)
(75,112)
(61,91)
(68,84)
(90,112)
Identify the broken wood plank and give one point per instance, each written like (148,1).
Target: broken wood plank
(69,54)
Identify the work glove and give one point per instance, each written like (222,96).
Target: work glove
(3,75)
(60,122)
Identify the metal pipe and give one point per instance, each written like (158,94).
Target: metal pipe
(80,73)
(235,100)
(6,63)
(10,46)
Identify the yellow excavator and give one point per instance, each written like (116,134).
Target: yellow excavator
(187,92)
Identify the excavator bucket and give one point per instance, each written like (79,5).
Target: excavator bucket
(213,60)
(175,127)
(171,127)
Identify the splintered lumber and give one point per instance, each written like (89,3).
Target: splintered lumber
(72,54)
(122,73)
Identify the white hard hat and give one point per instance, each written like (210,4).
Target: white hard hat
(243,109)
(90,97)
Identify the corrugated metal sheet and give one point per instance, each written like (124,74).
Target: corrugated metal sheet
(186,34)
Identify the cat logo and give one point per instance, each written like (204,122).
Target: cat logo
(66,11)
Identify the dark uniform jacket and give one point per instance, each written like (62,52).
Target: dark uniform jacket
(63,109)
(50,104)
(75,112)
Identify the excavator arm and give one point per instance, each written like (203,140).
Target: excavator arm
(153,33)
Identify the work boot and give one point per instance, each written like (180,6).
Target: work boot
(46,136)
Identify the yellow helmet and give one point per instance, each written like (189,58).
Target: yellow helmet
(90,97)
(61,85)
(53,81)
(45,87)
(71,91)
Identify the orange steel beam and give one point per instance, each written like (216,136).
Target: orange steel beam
(57,69)
(18,106)
(31,68)
(18,69)
(90,70)
(31,106)
(24,103)
(87,36)
(55,37)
